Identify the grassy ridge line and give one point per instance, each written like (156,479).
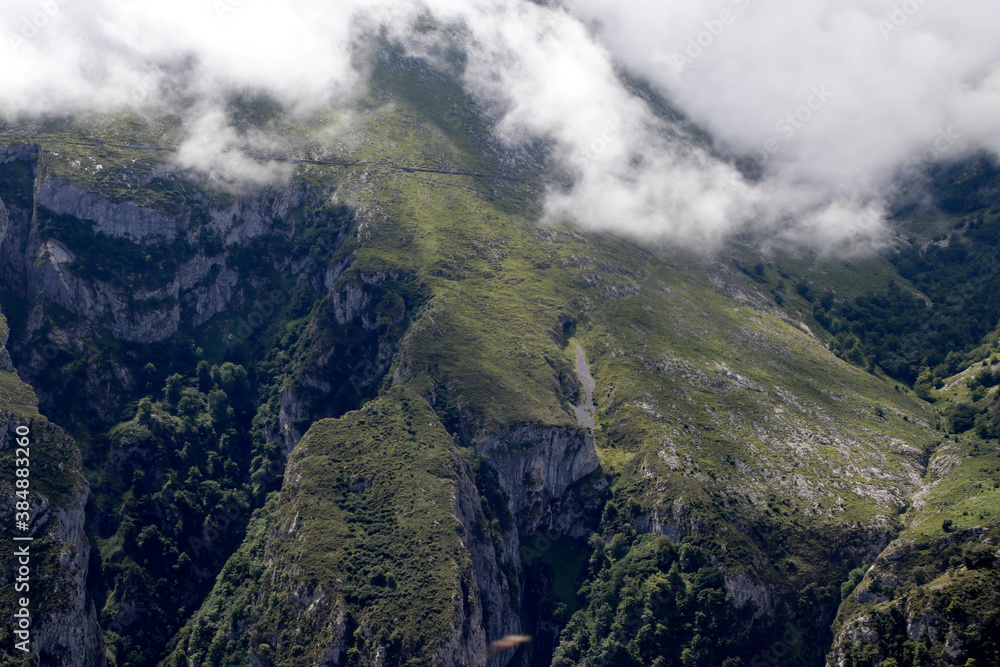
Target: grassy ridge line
(675,343)
(362,549)
(488,267)
(290,160)
(490,331)
(426,226)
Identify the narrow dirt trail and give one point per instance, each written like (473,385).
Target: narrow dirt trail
(272,158)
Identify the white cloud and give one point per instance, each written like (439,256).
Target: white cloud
(62,54)
(836,96)
(555,82)
(214,148)
(899,76)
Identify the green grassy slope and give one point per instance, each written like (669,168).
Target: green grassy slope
(933,594)
(721,419)
(362,552)
(750,469)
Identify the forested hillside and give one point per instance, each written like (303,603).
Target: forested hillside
(379,413)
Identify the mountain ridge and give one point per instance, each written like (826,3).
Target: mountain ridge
(323,338)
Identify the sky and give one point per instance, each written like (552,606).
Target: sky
(838,101)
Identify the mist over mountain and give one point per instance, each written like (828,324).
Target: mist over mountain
(499,333)
(832,101)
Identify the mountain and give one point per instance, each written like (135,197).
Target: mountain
(379,413)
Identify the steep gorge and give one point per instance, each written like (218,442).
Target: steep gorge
(344,419)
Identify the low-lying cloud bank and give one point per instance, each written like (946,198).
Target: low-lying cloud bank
(835,99)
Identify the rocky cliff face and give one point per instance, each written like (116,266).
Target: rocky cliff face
(5,363)
(70,634)
(21,152)
(536,464)
(207,282)
(4,228)
(64,620)
(493,564)
(122,219)
(346,349)
(201,287)
(936,597)
(139,316)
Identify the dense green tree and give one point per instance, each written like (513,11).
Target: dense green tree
(172,391)
(205,381)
